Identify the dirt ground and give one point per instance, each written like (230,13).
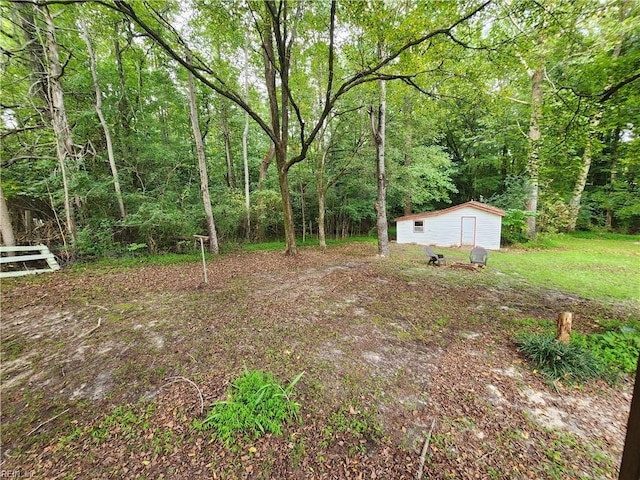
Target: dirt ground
(103,368)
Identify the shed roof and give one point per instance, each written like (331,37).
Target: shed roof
(480,206)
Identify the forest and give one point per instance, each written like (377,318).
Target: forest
(130,126)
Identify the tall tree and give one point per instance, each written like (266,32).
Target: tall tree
(277,24)
(378,132)
(6,229)
(65,147)
(103,122)
(202,164)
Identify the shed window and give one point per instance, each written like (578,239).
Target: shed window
(418,226)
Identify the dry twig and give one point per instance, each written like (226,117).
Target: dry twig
(47,421)
(183,379)
(425,447)
(94,328)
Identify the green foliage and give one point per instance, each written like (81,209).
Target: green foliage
(555,215)
(96,239)
(514,226)
(571,362)
(619,350)
(357,421)
(256,404)
(516,191)
(127,421)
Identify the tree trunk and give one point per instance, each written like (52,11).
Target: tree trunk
(304,218)
(630,465)
(245,135)
(533,161)
(105,127)
(289,230)
(407,196)
(563,327)
(231,181)
(279,120)
(63,137)
(378,131)
(322,240)
(6,229)
(581,182)
(202,164)
(612,175)
(264,165)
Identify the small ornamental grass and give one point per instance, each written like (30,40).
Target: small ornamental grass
(256,404)
(571,363)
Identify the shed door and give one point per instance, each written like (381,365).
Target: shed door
(468,231)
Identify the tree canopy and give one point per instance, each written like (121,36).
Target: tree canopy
(527,105)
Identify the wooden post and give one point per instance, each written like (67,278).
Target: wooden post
(204,262)
(563,326)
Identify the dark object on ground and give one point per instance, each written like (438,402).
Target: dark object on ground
(479,255)
(434,258)
(630,466)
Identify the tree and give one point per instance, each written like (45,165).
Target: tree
(103,122)
(202,164)
(378,132)
(278,26)
(6,230)
(65,147)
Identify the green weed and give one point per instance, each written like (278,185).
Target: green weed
(619,350)
(126,421)
(256,404)
(357,421)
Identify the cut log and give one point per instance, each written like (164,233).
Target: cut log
(563,326)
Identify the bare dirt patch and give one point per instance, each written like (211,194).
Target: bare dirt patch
(387,346)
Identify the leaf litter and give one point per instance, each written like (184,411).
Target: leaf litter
(393,354)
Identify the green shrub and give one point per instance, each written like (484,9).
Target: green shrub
(617,349)
(256,404)
(572,362)
(514,226)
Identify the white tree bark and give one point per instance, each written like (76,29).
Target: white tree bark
(378,130)
(202,164)
(533,161)
(6,230)
(245,135)
(581,182)
(105,127)
(64,139)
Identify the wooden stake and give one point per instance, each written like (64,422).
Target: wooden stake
(204,263)
(563,327)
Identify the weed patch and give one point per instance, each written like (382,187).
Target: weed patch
(618,350)
(256,404)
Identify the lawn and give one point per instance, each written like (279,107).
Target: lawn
(110,371)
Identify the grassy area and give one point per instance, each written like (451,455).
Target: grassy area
(601,268)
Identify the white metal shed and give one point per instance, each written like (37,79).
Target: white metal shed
(469,224)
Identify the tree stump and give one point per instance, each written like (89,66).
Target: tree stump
(563,326)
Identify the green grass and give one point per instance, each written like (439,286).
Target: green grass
(598,268)
(593,267)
